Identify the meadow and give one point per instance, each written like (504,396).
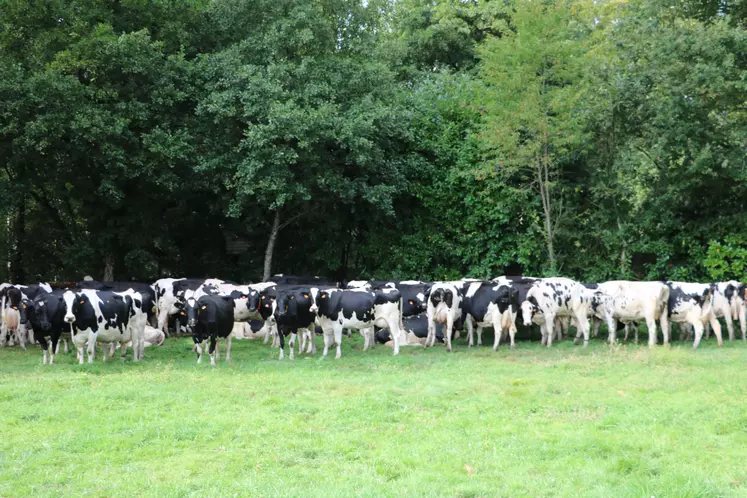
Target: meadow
(601,421)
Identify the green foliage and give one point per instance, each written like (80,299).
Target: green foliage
(396,140)
(727,260)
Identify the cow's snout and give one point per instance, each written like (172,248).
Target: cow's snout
(314,308)
(191,322)
(69,318)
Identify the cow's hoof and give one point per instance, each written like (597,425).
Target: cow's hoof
(575,342)
(513,346)
(586,344)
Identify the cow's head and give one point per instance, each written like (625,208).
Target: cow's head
(529,308)
(267,299)
(191,311)
(24,311)
(442,296)
(72,303)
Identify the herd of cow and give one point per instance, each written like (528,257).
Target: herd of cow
(398,313)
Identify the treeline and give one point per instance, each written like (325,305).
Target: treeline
(381,139)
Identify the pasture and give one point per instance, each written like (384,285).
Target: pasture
(601,421)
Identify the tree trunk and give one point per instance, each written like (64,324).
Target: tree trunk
(17,273)
(109,268)
(271,246)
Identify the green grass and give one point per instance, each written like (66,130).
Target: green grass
(622,421)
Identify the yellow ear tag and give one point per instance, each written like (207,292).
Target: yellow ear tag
(305,295)
(291,297)
(81,301)
(203,307)
(181,313)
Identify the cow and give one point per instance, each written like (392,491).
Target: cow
(489,304)
(444,307)
(168,290)
(147,292)
(357,309)
(210,317)
(692,304)
(46,315)
(632,302)
(17,332)
(728,303)
(553,297)
(98,316)
(291,313)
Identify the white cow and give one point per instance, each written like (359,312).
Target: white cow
(634,302)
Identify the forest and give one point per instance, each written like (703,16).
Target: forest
(594,139)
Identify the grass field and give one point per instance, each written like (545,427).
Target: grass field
(622,421)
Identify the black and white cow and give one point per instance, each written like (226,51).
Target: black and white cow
(633,302)
(46,316)
(691,304)
(98,316)
(553,297)
(444,307)
(490,304)
(168,290)
(357,309)
(12,330)
(210,317)
(147,293)
(301,280)
(728,303)
(292,313)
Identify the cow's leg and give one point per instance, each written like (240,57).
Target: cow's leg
(582,324)
(479,335)
(228,348)
(213,349)
(338,339)
(564,327)
(635,329)
(123,346)
(651,324)
(281,340)
(743,320)
(449,330)
(327,334)
(217,348)
(268,332)
(92,346)
(698,326)
(597,323)
(198,348)
(729,327)
(163,322)
(292,343)
(716,328)
(43,344)
(612,326)
(550,325)
(311,349)
(53,349)
(431,332)
(497,330)
(470,330)
(366,338)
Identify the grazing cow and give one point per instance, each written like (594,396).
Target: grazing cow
(489,304)
(728,303)
(98,316)
(291,312)
(632,302)
(210,317)
(555,297)
(357,309)
(46,315)
(444,307)
(692,304)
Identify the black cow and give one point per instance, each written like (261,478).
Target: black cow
(46,315)
(169,290)
(291,312)
(210,317)
(490,304)
(357,309)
